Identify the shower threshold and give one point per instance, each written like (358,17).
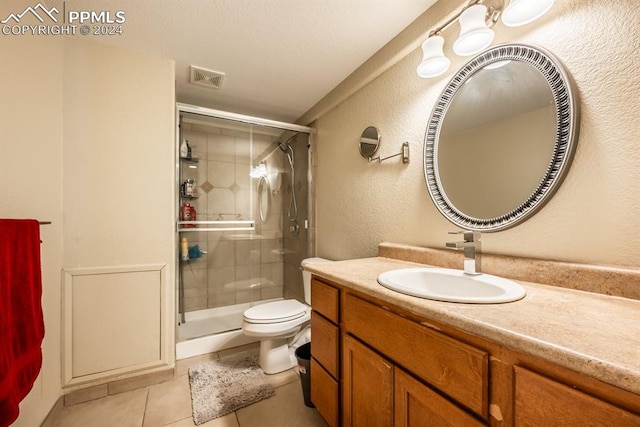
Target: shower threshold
(211,330)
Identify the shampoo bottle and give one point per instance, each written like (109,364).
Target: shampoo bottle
(184,249)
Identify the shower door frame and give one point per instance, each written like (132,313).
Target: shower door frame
(258,121)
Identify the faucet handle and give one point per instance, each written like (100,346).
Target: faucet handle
(469,235)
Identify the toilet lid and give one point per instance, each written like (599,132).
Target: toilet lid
(277,311)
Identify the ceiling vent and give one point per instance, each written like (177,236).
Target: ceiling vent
(206,78)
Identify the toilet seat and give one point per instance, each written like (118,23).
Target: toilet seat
(275,312)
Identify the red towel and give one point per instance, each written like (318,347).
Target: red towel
(21,321)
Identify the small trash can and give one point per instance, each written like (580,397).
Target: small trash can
(303,354)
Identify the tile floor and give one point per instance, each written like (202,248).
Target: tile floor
(169,404)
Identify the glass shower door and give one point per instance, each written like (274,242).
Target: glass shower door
(231,227)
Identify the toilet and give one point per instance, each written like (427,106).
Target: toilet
(282,326)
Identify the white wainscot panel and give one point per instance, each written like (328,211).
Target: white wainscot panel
(112,321)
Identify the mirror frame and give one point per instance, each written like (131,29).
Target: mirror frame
(567,120)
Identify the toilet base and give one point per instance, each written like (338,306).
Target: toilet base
(276,355)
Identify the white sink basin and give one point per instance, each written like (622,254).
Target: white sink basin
(443,284)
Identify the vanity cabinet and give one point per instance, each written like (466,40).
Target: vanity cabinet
(325,351)
(375,364)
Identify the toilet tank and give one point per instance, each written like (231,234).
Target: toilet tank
(306,276)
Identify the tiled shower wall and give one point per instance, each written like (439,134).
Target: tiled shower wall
(239,266)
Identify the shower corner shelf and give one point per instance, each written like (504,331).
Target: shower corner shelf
(190,159)
(190,196)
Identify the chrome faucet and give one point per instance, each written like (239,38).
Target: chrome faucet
(471,247)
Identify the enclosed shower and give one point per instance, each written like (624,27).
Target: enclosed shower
(243,222)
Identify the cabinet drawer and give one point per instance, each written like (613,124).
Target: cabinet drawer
(324,393)
(325,349)
(324,300)
(417,405)
(457,369)
(543,401)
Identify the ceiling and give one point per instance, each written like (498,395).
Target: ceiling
(280,57)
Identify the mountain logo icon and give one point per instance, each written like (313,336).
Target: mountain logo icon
(34,11)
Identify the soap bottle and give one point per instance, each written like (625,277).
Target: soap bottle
(184,149)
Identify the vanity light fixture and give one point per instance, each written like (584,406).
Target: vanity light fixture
(522,12)
(476,20)
(433,62)
(475,36)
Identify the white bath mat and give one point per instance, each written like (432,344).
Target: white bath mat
(226,385)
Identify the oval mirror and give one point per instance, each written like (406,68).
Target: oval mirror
(369,142)
(501,137)
(264,199)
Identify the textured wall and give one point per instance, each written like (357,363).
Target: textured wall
(593,218)
(31,182)
(118,156)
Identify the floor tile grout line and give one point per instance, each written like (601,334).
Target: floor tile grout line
(146,404)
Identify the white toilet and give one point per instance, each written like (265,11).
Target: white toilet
(282,326)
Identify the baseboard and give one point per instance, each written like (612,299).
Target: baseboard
(118,386)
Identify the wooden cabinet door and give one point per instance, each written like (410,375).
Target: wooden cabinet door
(416,405)
(541,401)
(367,386)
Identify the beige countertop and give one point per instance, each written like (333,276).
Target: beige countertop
(594,334)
